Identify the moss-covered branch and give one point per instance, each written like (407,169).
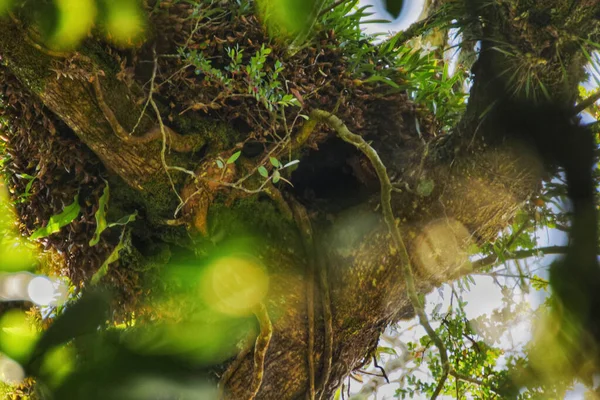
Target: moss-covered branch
(388,214)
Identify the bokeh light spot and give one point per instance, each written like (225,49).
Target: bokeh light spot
(76,18)
(11,371)
(124,23)
(58,363)
(234,285)
(17,335)
(41,291)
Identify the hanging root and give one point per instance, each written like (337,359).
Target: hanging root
(247,346)
(177,142)
(327,321)
(386,189)
(260,348)
(316,256)
(261,345)
(303,223)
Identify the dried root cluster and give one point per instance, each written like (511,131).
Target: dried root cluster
(39,145)
(320,74)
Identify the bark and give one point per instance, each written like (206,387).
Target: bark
(477,189)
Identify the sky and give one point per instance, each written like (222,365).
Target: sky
(409,14)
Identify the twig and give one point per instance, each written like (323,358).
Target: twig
(475,381)
(381,369)
(164,149)
(260,348)
(151,92)
(386,188)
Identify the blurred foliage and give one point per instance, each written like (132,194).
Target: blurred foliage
(64,24)
(287,18)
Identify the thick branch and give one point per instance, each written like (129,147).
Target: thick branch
(493,259)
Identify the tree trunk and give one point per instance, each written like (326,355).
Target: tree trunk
(455,192)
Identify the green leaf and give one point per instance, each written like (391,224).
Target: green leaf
(383,79)
(276,176)
(100,215)
(114,256)
(275,162)
(220,164)
(30,179)
(124,221)
(233,157)
(263,171)
(386,350)
(58,221)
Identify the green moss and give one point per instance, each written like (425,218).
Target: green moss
(217,135)
(251,216)
(28,64)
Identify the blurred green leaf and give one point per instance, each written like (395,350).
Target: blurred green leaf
(287,17)
(57,364)
(58,221)
(75,21)
(124,22)
(5,6)
(83,317)
(17,335)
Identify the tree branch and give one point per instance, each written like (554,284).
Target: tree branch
(586,103)
(517,255)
